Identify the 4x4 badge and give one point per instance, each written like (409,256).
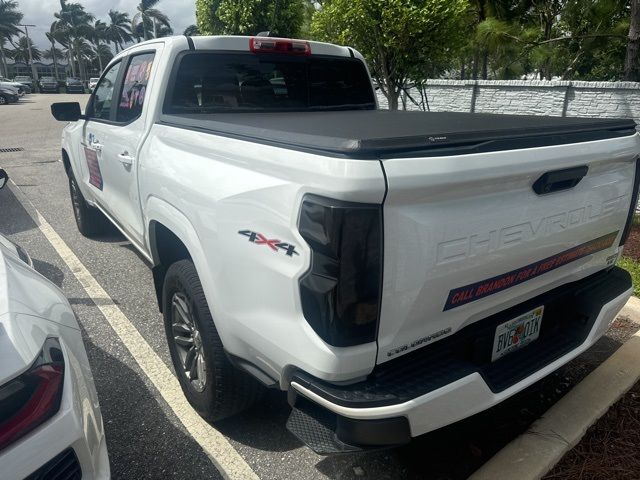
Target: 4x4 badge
(273,244)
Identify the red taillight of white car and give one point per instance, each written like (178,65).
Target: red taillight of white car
(279,45)
(33,397)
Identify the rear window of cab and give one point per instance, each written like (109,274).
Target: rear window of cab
(211,82)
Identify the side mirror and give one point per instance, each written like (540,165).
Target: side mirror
(66,111)
(4,178)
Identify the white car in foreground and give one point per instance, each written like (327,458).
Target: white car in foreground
(50,421)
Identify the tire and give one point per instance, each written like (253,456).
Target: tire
(226,390)
(3,100)
(90,221)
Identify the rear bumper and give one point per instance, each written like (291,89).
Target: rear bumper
(455,378)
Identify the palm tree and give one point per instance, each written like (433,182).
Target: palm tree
(74,22)
(10,18)
(191,31)
(163,31)
(103,54)
(53,52)
(136,29)
(147,14)
(20,53)
(98,33)
(118,30)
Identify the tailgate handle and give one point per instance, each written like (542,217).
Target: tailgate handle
(559,180)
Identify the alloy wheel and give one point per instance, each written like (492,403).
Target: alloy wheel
(188,341)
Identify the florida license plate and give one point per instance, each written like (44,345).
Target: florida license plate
(517,333)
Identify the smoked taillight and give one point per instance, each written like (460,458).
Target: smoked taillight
(634,203)
(279,45)
(341,291)
(33,397)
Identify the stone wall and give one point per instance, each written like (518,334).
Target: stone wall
(531,97)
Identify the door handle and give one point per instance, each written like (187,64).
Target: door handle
(559,180)
(125,158)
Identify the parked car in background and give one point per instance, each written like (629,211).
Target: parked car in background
(50,420)
(8,94)
(49,84)
(22,89)
(74,85)
(92,83)
(26,81)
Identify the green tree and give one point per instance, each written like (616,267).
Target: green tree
(148,15)
(74,25)
(118,29)
(560,38)
(53,53)
(163,31)
(283,18)
(402,40)
(101,55)
(10,18)
(631,63)
(20,52)
(191,31)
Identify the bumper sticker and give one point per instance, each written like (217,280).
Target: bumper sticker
(475,291)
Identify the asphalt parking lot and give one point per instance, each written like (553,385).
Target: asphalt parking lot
(145,437)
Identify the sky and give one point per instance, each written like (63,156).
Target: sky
(181,13)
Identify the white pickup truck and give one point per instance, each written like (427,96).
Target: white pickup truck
(394,272)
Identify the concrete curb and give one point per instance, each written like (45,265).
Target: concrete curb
(534,453)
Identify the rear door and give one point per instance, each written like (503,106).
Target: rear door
(468,236)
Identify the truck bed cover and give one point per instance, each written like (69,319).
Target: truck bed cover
(375,134)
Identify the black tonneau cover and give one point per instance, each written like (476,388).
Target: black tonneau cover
(373,134)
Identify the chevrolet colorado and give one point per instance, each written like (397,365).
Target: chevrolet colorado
(394,272)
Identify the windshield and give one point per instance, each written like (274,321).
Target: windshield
(23,79)
(48,79)
(244,82)
(73,80)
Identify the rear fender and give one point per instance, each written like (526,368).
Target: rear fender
(176,222)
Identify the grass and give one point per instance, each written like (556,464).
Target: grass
(633,268)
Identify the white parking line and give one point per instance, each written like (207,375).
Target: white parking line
(229,462)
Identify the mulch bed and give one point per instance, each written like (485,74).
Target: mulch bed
(632,247)
(610,450)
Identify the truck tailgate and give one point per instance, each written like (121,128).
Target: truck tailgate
(466,236)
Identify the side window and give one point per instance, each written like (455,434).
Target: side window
(134,89)
(103,97)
